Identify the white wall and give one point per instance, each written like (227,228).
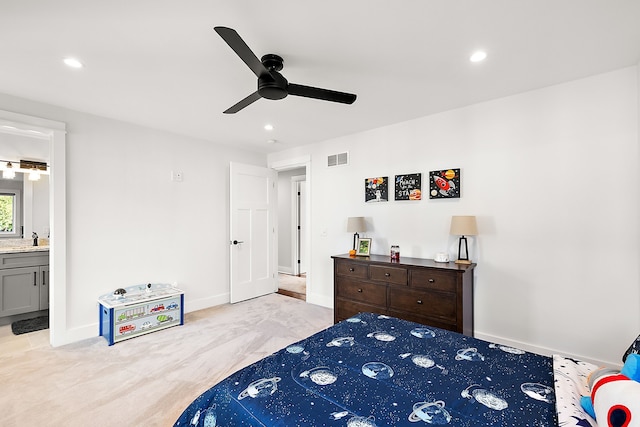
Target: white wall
(552,176)
(128,223)
(40,206)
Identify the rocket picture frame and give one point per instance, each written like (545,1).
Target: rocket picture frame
(444,184)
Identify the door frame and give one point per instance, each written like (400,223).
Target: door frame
(295,214)
(54,133)
(295,163)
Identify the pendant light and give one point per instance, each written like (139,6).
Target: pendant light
(34,175)
(8,172)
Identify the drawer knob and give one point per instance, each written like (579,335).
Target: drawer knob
(419,301)
(432,280)
(360,290)
(387,274)
(351,269)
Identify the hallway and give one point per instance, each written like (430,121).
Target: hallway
(293,286)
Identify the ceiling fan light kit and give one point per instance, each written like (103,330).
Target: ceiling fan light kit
(271,84)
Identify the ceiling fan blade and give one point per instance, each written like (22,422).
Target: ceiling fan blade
(317,93)
(241,49)
(244,103)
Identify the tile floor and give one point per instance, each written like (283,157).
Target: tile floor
(10,343)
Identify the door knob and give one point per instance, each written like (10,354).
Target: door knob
(235,242)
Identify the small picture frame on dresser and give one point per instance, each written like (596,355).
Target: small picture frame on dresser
(364,246)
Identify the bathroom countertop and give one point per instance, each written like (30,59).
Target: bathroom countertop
(11,246)
(23,249)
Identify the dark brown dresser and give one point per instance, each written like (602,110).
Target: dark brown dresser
(416,289)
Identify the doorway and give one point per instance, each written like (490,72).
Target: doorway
(53,134)
(294,275)
(291,233)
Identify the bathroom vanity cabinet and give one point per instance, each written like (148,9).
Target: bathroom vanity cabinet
(24,282)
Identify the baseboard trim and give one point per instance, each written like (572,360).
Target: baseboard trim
(543,350)
(321,300)
(72,335)
(202,303)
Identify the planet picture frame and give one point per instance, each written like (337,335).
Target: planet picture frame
(363,248)
(444,184)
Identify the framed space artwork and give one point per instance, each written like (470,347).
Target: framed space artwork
(444,184)
(376,189)
(409,187)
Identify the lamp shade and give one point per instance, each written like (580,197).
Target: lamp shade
(356,224)
(34,175)
(463,226)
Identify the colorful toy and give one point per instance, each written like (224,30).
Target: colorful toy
(615,396)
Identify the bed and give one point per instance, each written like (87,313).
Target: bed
(376,370)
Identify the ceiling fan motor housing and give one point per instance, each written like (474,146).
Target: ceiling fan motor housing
(273,85)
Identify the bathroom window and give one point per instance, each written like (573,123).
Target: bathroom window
(9,213)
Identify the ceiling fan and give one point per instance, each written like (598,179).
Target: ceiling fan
(271,84)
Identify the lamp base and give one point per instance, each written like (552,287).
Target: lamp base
(463,261)
(352,252)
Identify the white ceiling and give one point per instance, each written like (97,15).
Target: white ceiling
(19,147)
(159,63)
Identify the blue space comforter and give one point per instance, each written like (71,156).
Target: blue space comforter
(374,370)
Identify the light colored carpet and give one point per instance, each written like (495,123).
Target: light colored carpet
(147,380)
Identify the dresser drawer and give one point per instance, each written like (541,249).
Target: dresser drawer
(424,303)
(368,293)
(430,321)
(433,279)
(395,275)
(347,308)
(351,269)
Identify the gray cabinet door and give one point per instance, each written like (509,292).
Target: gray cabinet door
(20,290)
(43,281)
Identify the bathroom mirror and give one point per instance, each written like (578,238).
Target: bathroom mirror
(31,197)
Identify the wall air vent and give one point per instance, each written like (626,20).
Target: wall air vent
(338,159)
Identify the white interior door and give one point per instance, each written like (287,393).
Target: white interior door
(253,246)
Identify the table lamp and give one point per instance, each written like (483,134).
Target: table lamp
(463,226)
(355,224)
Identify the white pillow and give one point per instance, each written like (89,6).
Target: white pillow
(570,382)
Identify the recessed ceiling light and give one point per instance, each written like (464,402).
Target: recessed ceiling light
(73,63)
(268,127)
(478,56)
